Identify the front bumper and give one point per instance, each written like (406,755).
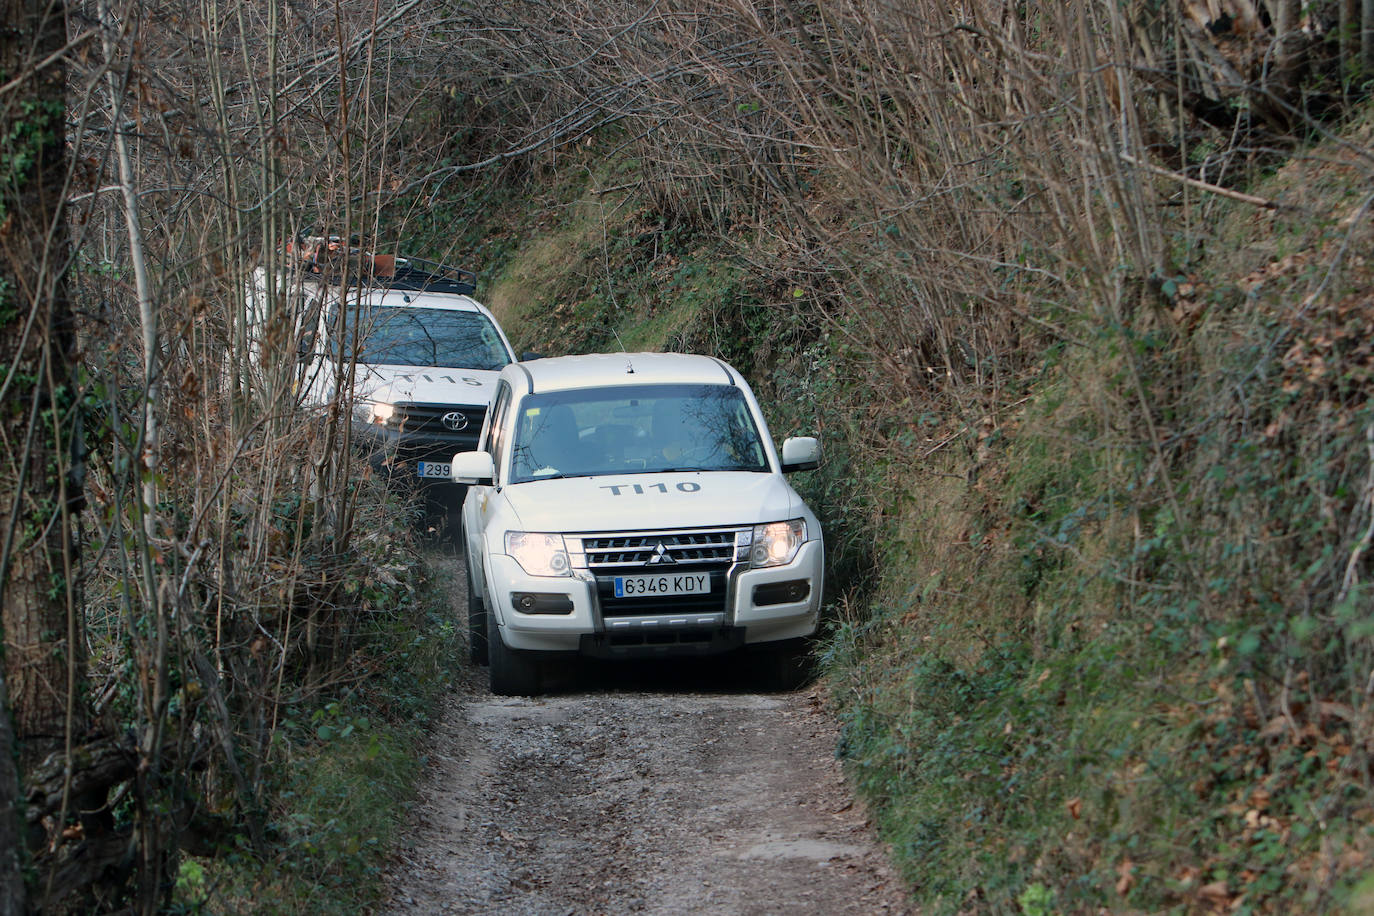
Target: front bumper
(394,452)
(759,605)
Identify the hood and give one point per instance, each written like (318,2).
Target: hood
(424,385)
(642,502)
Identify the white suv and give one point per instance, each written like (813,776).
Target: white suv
(633,505)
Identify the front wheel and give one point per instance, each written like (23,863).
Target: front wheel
(452,502)
(513,673)
(477,622)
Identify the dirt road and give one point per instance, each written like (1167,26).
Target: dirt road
(644,789)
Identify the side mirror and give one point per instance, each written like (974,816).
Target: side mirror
(473,469)
(801,453)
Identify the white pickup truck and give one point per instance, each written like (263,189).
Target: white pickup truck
(633,505)
(400,340)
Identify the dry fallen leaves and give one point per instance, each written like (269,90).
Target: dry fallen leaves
(1125,880)
(1216,894)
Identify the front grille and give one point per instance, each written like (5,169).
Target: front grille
(427,420)
(417,431)
(710,550)
(697,549)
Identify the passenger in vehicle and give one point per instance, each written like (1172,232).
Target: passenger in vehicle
(551,445)
(668,431)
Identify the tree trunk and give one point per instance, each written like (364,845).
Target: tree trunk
(11,829)
(1285,40)
(1366,39)
(38,611)
(1348,40)
(39,488)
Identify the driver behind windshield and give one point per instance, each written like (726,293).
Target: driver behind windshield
(656,428)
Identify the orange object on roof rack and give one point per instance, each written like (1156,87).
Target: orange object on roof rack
(332,260)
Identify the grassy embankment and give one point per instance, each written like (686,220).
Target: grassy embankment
(347,755)
(1102,647)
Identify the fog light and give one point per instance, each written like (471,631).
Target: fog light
(789,592)
(541,603)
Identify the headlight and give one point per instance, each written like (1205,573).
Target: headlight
(538,554)
(777,543)
(372,412)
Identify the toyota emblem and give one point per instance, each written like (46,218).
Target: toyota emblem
(454,420)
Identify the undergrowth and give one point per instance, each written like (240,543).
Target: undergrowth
(344,768)
(1119,673)
(1097,638)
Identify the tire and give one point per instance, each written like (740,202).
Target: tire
(784,666)
(478,653)
(513,673)
(453,516)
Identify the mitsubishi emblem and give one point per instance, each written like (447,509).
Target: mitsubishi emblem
(660,557)
(454,420)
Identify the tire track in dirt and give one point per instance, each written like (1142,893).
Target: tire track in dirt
(638,789)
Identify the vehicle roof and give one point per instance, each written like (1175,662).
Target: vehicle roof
(597,370)
(414,299)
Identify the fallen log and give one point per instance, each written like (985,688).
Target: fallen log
(94,767)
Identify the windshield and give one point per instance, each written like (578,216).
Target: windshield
(635,429)
(411,336)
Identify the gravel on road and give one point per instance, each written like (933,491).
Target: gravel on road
(663,788)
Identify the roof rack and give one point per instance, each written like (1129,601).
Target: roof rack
(331,260)
(431,276)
